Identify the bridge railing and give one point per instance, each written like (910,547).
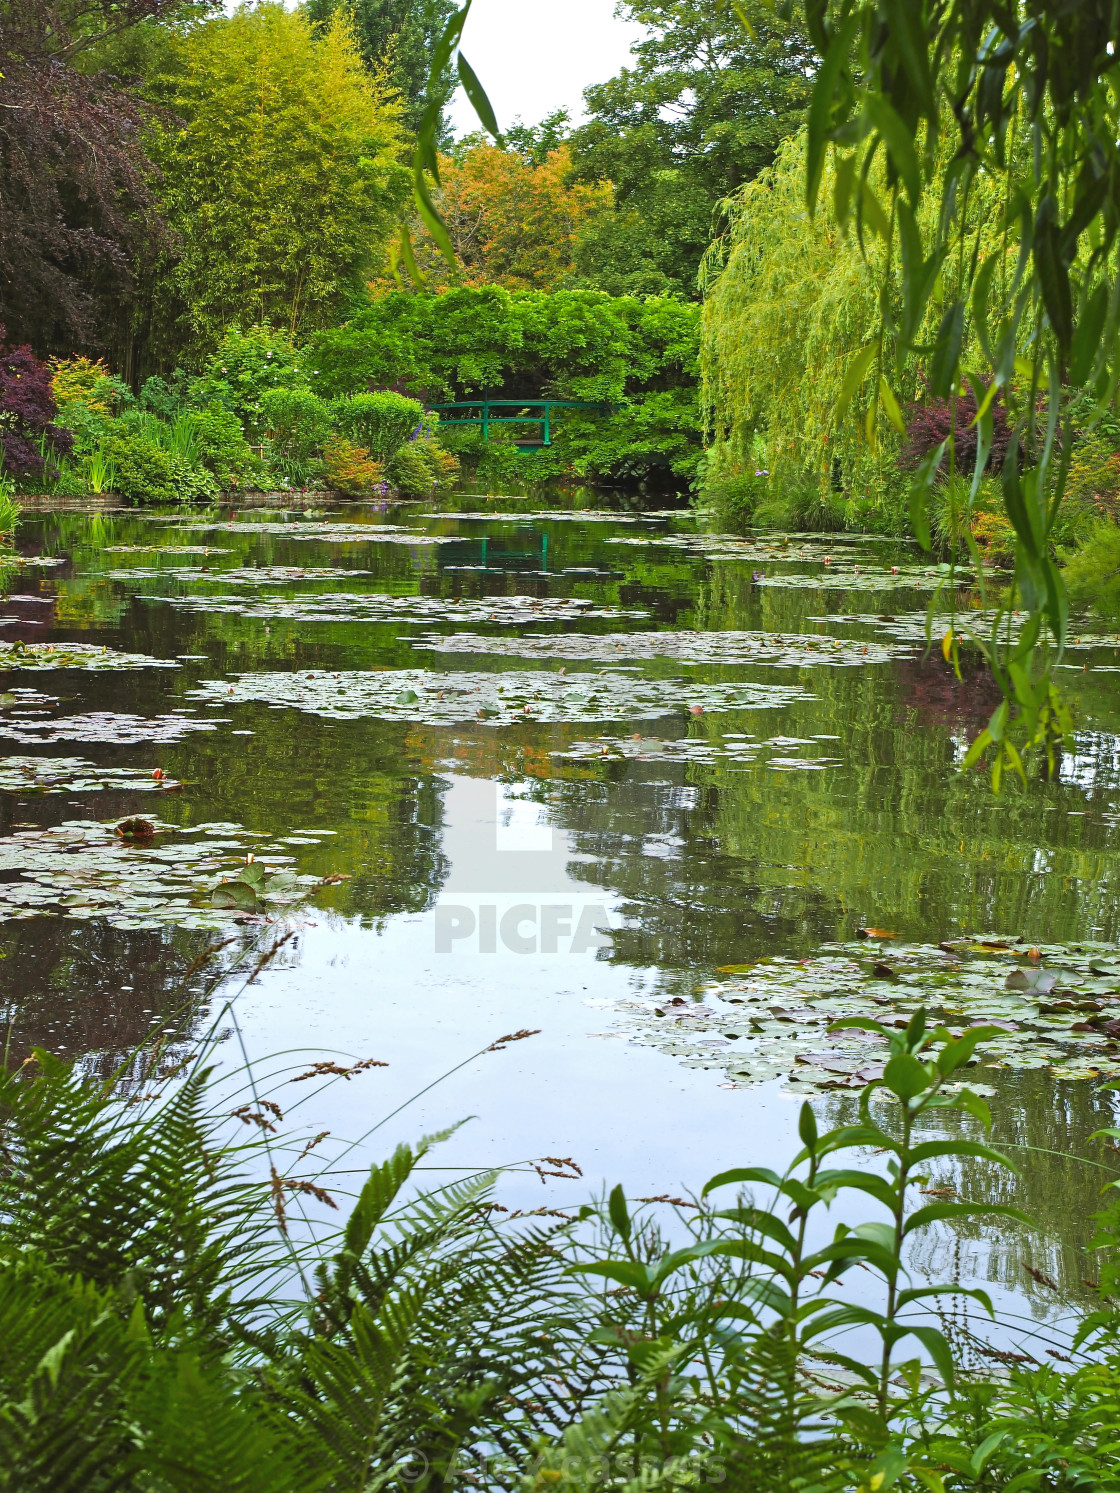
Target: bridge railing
(485,417)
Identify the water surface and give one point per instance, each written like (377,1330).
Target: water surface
(567,852)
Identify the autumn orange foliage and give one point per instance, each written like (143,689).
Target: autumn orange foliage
(512,223)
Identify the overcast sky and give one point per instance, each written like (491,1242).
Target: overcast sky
(535,56)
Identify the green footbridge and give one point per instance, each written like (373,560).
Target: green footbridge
(485,412)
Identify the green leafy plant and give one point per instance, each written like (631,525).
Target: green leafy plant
(298,422)
(9,511)
(181,1312)
(99,472)
(381,423)
(221,445)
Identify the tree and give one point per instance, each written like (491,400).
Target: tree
(513,220)
(28,434)
(75,195)
(396,38)
(955,97)
(703,110)
(281,177)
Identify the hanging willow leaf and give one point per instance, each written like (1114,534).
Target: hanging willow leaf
(477,95)
(858,370)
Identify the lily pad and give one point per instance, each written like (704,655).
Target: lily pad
(967,623)
(549,515)
(162,549)
(349,606)
(76,775)
(40,656)
(105,726)
(777,650)
(330,533)
(249,575)
(774,752)
(1055,1006)
(85,869)
(500,699)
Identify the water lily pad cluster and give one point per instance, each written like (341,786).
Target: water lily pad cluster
(776,751)
(778,650)
(249,575)
(816,548)
(76,656)
(866,578)
(107,727)
(19,701)
(966,623)
(429,698)
(1056,1006)
(34,775)
(551,515)
(330,533)
(163,549)
(144,873)
(348,606)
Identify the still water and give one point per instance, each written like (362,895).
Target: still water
(593,775)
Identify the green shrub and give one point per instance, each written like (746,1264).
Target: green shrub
(167,397)
(89,427)
(1092,573)
(297,421)
(145,472)
(412,471)
(192,483)
(381,423)
(244,367)
(1093,486)
(221,443)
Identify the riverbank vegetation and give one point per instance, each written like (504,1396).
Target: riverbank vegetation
(190,1308)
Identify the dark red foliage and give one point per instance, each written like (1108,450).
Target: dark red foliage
(75,203)
(27,411)
(929,424)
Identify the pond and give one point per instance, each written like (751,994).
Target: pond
(668,800)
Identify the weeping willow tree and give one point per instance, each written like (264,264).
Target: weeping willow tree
(790,301)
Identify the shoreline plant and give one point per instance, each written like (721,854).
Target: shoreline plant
(187,1304)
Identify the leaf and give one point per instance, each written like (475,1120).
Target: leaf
(235,894)
(477,95)
(625,1272)
(891,405)
(1086,340)
(906,33)
(899,142)
(981,293)
(857,371)
(873,211)
(619,1214)
(1053,275)
(905,1076)
(920,490)
(742,1174)
(946,351)
(820,106)
(934,1341)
